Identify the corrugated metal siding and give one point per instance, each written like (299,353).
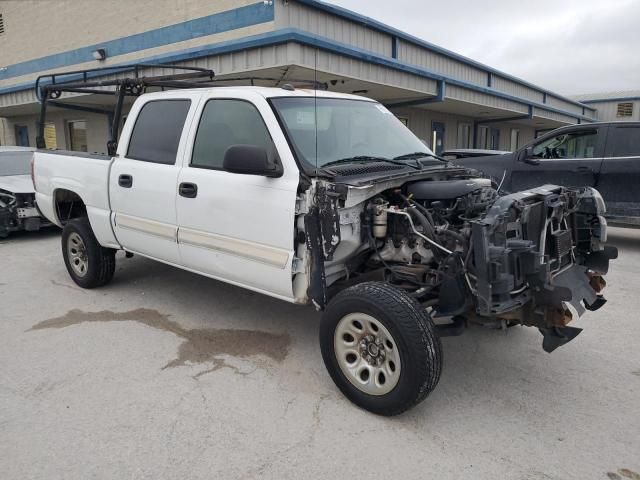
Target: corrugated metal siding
(252,59)
(322,23)
(509,86)
(337,64)
(419,56)
(607,111)
(554,116)
(17,98)
(569,107)
(465,95)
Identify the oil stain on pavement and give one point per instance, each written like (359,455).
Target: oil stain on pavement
(199,346)
(623,473)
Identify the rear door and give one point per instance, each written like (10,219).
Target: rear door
(235,227)
(619,181)
(144,176)
(570,158)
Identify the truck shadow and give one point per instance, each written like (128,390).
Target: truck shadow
(24,237)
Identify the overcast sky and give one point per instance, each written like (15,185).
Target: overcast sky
(568,46)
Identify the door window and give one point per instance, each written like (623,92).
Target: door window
(225,123)
(156,134)
(568,145)
(22,136)
(625,142)
(494,139)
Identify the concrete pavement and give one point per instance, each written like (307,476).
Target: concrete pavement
(165,374)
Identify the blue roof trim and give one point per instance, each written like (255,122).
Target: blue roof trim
(617,99)
(246,16)
(302,37)
(376,25)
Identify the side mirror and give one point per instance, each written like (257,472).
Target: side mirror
(251,160)
(527,156)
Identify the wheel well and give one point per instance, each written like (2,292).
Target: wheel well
(68,205)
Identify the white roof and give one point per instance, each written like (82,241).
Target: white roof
(266,92)
(607,95)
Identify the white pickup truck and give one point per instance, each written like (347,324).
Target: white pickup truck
(326,199)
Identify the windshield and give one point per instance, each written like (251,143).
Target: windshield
(15,163)
(345,129)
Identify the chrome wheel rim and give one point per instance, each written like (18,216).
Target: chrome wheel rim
(77,253)
(367,354)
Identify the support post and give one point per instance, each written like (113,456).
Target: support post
(112,144)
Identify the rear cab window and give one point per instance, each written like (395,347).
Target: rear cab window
(156,134)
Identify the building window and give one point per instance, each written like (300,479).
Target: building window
(1,25)
(515,139)
(464,135)
(404,120)
(50,141)
(78,135)
(625,109)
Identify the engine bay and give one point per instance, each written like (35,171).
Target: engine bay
(533,258)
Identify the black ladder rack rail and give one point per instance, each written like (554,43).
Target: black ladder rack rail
(50,87)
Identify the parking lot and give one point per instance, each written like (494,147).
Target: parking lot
(165,374)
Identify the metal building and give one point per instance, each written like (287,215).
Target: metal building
(445,98)
(614,106)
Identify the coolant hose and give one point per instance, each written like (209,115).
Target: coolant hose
(422,220)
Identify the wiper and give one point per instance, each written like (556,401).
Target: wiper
(370,158)
(417,155)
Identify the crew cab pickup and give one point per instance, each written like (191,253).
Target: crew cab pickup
(605,156)
(326,199)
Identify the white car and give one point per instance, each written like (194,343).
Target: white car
(327,199)
(17,195)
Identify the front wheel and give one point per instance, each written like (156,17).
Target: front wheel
(380,348)
(89,264)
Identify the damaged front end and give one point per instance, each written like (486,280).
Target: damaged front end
(539,258)
(535,258)
(18,212)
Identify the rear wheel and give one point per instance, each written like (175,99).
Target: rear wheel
(380,347)
(89,264)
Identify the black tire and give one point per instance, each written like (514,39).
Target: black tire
(411,327)
(100,261)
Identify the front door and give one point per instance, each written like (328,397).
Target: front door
(437,137)
(236,227)
(143,181)
(570,159)
(22,136)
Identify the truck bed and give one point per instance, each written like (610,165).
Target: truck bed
(85,174)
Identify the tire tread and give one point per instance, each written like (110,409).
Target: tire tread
(418,332)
